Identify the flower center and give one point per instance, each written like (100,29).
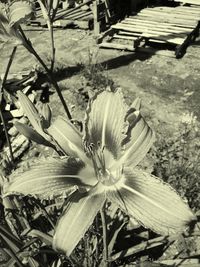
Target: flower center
(100,158)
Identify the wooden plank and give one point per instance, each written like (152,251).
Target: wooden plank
(155,29)
(67,11)
(146,30)
(193,8)
(149,34)
(179,9)
(129,33)
(165,19)
(165,24)
(81,15)
(97,24)
(118,36)
(148,50)
(193,2)
(166,27)
(77,12)
(167,14)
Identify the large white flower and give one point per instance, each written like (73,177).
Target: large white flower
(103,163)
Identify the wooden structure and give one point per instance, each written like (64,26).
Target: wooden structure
(175,26)
(80,16)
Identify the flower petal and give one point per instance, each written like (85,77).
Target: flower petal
(105,121)
(138,140)
(77,218)
(50,177)
(153,203)
(7,32)
(20,11)
(68,138)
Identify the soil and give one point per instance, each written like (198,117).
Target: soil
(168,87)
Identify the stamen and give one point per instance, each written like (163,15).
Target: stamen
(103,175)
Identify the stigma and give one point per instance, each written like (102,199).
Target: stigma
(101,159)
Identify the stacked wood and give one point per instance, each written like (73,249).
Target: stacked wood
(192,2)
(11,112)
(80,16)
(175,26)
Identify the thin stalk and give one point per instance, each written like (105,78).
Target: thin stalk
(13,255)
(42,207)
(1,92)
(53,50)
(8,66)
(105,237)
(7,137)
(49,74)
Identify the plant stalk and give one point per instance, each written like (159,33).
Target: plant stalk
(53,50)
(7,136)
(49,73)
(105,237)
(1,92)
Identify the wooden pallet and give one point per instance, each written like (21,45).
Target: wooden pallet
(174,26)
(68,17)
(192,2)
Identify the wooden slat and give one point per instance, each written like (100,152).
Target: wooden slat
(180,10)
(173,25)
(155,29)
(165,19)
(79,15)
(191,8)
(166,27)
(167,14)
(148,50)
(149,30)
(125,37)
(164,24)
(149,34)
(193,2)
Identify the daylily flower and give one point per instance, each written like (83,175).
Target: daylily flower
(11,15)
(116,138)
(39,120)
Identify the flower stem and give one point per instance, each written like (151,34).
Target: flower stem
(1,92)
(105,237)
(48,71)
(52,46)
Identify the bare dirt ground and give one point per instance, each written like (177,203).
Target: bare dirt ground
(167,86)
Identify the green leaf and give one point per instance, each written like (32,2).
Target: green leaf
(76,219)
(49,177)
(31,134)
(7,32)
(20,11)
(45,13)
(46,113)
(153,203)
